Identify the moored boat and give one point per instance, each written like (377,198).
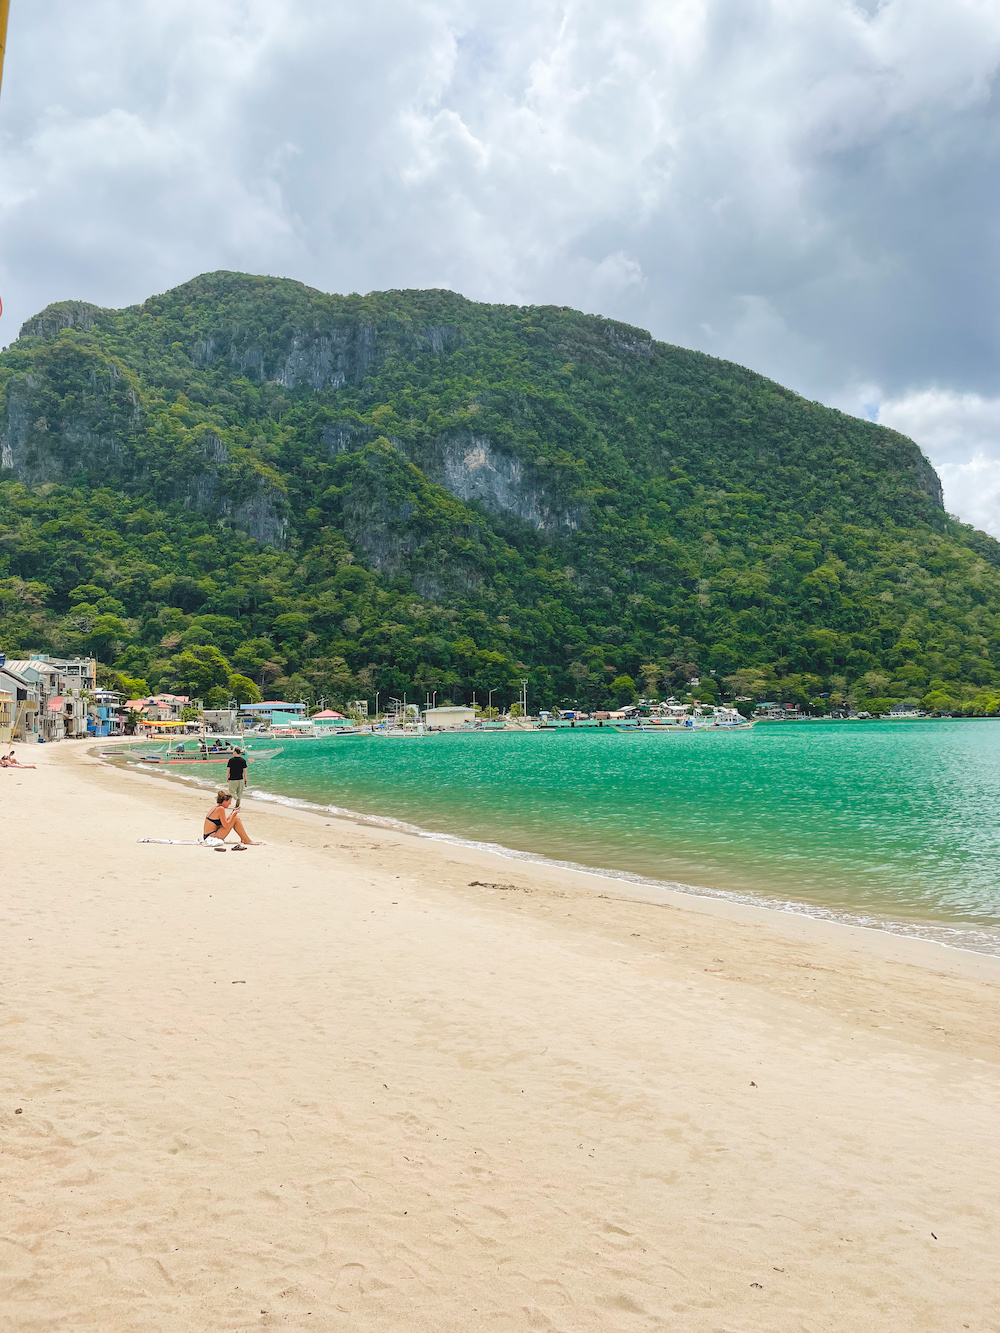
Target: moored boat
(181,754)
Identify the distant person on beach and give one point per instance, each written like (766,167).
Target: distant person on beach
(221,821)
(11,761)
(236,770)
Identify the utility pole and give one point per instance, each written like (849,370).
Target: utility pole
(524,696)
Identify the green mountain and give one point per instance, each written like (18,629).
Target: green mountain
(247,483)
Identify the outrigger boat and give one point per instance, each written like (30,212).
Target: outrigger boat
(186,752)
(713,719)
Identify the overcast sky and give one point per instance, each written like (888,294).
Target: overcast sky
(808,187)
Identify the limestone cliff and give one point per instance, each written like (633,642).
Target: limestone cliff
(247,398)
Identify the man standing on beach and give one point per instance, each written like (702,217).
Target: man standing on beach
(236,769)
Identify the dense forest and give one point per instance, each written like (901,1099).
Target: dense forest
(245,486)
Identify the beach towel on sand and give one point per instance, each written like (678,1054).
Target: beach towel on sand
(184,842)
(214,843)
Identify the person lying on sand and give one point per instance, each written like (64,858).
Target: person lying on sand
(11,761)
(221,821)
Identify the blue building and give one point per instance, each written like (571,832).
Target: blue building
(104,716)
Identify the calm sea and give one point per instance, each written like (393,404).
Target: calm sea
(886,824)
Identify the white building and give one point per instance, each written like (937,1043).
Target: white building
(21,698)
(61,709)
(449,717)
(77,673)
(6,715)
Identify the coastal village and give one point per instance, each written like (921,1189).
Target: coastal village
(46,699)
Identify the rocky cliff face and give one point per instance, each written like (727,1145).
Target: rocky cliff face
(336,354)
(246,501)
(43,438)
(473,468)
(329,360)
(233,393)
(404,525)
(62,315)
(79,416)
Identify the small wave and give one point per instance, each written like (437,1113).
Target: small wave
(966,938)
(951,937)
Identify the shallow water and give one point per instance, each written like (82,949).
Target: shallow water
(889,824)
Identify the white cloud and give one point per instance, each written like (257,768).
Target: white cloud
(960,434)
(808,189)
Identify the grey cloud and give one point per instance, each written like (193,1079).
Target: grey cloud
(807,189)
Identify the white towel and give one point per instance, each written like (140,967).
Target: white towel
(176,842)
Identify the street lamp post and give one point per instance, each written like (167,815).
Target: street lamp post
(489,706)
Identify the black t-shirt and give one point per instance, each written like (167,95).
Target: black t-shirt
(236,767)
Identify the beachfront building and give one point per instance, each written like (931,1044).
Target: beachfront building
(62,705)
(64,717)
(75,673)
(168,707)
(64,687)
(22,695)
(275,711)
(220,721)
(104,714)
(449,717)
(776,711)
(6,716)
(159,707)
(328,718)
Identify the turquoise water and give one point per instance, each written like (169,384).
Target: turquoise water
(892,824)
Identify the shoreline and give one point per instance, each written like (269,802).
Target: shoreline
(641,887)
(360,1079)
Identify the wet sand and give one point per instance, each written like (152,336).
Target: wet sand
(360,1080)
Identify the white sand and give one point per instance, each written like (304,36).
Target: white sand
(326,1084)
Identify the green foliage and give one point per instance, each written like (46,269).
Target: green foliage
(132,687)
(246,488)
(243,690)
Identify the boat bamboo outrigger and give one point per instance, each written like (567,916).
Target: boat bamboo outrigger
(198,751)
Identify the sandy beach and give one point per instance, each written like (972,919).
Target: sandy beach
(359,1080)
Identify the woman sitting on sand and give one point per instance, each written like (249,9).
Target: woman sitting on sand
(10,761)
(221,821)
